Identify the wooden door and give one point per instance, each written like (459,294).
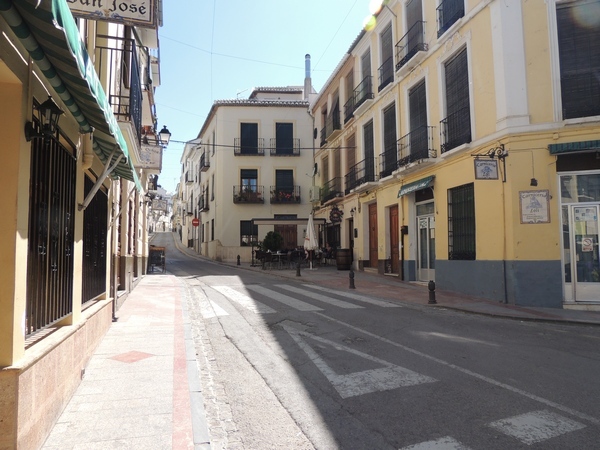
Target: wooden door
(289,234)
(373,241)
(395,239)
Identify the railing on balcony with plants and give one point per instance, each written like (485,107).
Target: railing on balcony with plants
(363,92)
(386,73)
(243,148)
(410,44)
(248,194)
(416,145)
(448,12)
(331,189)
(388,160)
(285,194)
(455,129)
(285,147)
(360,173)
(204,162)
(119,63)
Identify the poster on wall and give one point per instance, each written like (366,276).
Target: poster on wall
(130,12)
(535,206)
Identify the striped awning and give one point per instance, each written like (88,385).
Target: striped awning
(49,33)
(415,186)
(574,147)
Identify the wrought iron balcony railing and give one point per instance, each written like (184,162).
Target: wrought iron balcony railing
(248,194)
(386,73)
(448,12)
(189,178)
(363,92)
(287,147)
(455,129)
(242,148)
(204,162)
(287,194)
(388,160)
(416,145)
(360,173)
(349,109)
(332,123)
(331,189)
(410,44)
(203,203)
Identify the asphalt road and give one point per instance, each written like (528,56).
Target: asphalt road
(288,365)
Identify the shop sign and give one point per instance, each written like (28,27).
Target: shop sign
(535,206)
(335,216)
(131,12)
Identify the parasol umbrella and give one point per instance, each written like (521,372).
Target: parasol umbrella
(310,241)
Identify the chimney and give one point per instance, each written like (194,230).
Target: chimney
(307,80)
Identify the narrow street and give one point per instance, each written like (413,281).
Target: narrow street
(288,364)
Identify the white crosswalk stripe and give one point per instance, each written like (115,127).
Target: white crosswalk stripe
(285,299)
(319,297)
(243,300)
(445,443)
(359,297)
(209,309)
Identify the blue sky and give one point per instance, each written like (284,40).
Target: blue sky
(213,50)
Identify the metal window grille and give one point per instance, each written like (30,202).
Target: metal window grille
(94,244)
(461,222)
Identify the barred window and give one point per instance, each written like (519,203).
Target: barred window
(461,222)
(248,232)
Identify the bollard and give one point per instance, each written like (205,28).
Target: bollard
(238,260)
(298,268)
(431,287)
(351,277)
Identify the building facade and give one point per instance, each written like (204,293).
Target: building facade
(74,223)
(459,138)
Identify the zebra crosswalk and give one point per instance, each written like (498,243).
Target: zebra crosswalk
(299,297)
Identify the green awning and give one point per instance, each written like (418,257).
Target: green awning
(50,35)
(415,186)
(574,147)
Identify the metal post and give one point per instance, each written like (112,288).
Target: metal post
(351,277)
(238,260)
(298,268)
(431,287)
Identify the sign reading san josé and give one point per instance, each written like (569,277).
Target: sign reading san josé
(134,12)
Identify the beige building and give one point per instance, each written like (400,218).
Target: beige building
(79,147)
(459,138)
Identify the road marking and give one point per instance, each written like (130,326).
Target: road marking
(358,383)
(445,443)
(537,426)
(285,299)
(319,297)
(360,298)
(244,300)
(209,309)
(515,390)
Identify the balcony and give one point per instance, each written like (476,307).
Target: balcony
(388,161)
(411,49)
(189,178)
(386,73)
(242,147)
(448,13)
(203,204)
(285,147)
(331,189)
(455,129)
(119,63)
(285,195)
(204,162)
(349,109)
(360,174)
(416,146)
(363,94)
(332,127)
(248,194)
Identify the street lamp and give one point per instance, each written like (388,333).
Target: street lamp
(49,115)
(164,136)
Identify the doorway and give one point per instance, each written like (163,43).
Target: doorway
(425,242)
(394,239)
(373,238)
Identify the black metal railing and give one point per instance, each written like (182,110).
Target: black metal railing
(448,12)
(455,129)
(124,85)
(248,194)
(386,73)
(285,147)
(49,294)
(285,194)
(252,149)
(332,123)
(360,173)
(203,203)
(331,189)
(189,178)
(363,92)
(204,162)
(416,145)
(93,269)
(388,160)
(349,109)
(410,44)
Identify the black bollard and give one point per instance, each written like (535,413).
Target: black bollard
(298,268)
(238,260)
(431,287)
(351,277)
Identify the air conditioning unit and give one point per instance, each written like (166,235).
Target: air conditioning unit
(315,193)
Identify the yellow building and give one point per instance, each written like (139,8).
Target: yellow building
(79,144)
(460,141)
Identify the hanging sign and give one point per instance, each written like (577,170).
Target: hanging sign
(130,12)
(335,216)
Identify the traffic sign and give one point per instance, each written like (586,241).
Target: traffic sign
(195,221)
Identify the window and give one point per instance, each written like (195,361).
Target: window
(284,181)
(248,232)
(417,104)
(369,151)
(249,138)
(214,137)
(249,180)
(284,138)
(456,127)
(449,12)
(579,53)
(461,222)
(386,70)
(212,229)
(389,158)
(212,180)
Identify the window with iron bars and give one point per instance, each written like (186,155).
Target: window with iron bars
(461,222)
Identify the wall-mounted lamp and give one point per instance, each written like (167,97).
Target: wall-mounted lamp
(352,211)
(162,138)
(49,115)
